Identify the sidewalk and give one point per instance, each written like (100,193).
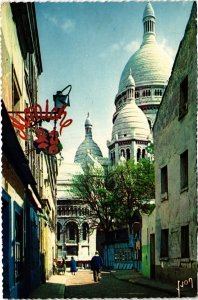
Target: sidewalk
(53,288)
(139,279)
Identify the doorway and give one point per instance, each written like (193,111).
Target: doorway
(152,256)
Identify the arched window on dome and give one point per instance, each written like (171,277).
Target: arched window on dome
(143,94)
(122,152)
(138,154)
(158,92)
(128,154)
(143,153)
(137,94)
(112,158)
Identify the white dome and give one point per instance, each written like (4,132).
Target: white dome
(150,65)
(131,123)
(87,146)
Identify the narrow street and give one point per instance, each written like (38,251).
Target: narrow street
(82,286)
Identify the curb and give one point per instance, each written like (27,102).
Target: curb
(167,290)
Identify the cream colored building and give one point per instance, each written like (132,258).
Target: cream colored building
(175,139)
(26,260)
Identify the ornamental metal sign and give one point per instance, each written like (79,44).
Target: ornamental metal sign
(34,116)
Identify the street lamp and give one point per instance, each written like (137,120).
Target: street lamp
(61,100)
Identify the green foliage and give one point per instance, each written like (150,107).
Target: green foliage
(114,195)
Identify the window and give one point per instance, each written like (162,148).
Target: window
(143,153)
(184,170)
(58,231)
(158,92)
(123,153)
(85,231)
(185,241)
(72,232)
(164,180)
(128,154)
(138,154)
(164,243)
(18,248)
(16,92)
(183,100)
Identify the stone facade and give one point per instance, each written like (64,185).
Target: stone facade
(75,237)
(175,166)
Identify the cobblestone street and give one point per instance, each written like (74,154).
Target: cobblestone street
(82,286)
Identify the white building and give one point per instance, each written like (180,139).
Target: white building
(143,81)
(75,235)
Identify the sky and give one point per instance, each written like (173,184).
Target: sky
(87,45)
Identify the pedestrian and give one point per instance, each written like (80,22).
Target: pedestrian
(96,266)
(64,264)
(73,268)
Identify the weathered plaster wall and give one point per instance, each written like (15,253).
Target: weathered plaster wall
(171,138)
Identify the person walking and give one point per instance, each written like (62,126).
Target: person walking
(64,264)
(96,266)
(73,268)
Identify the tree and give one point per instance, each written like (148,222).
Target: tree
(91,187)
(133,187)
(113,196)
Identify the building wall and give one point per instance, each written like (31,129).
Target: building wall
(20,197)
(172,136)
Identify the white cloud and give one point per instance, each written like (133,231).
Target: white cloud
(120,47)
(164,45)
(68,25)
(65,24)
(132,46)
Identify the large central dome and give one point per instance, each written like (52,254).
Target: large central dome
(150,64)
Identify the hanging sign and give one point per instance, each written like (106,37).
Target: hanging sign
(45,141)
(34,115)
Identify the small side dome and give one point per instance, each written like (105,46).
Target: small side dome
(88,146)
(130,80)
(131,123)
